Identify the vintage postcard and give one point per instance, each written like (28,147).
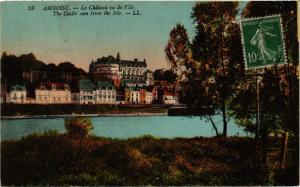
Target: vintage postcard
(160,93)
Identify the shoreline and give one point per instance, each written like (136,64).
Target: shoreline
(85,115)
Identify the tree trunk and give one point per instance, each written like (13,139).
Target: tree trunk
(224,118)
(214,125)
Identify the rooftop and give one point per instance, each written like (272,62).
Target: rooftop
(112,60)
(105,85)
(86,85)
(18,88)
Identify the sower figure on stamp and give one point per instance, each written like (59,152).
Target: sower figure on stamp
(259,39)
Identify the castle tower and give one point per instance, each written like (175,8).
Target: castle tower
(118,57)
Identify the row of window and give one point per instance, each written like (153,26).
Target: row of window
(91,93)
(133,78)
(104,94)
(133,72)
(54,99)
(93,97)
(54,87)
(15,96)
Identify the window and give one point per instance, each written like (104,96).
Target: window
(45,98)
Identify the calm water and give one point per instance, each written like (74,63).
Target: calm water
(123,127)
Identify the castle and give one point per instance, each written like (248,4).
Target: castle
(121,72)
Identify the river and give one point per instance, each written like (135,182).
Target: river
(124,127)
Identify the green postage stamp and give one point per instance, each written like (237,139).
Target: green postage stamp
(263,43)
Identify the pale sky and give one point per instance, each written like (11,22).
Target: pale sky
(80,39)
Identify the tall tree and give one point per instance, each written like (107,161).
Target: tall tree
(178,50)
(279,91)
(217,47)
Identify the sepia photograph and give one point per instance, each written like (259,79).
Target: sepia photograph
(156,93)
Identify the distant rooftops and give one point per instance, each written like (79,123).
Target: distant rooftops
(112,60)
(54,85)
(87,85)
(18,88)
(105,85)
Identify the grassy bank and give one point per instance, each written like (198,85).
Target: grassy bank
(56,159)
(63,109)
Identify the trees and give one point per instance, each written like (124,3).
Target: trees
(279,91)
(78,127)
(211,65)
(167,75)
(14,70)
(216,46)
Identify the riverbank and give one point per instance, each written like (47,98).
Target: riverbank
(16,111)
(56,159)
(86,115)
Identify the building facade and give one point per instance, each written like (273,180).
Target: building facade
(105,93)
(149,78)
(120,98)
(142,96)
(129,73)
(157,95)
(106,69)
(87,92)
(132,96)
(17,94)
(148,97)
(133,70)
(53,93)
(170,98)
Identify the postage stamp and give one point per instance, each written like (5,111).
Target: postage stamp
(263,42)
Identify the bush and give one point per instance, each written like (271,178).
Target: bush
(78,127)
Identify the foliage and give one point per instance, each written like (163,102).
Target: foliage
(178,50)
(209,67)
(56,159)
(78,127)
(279,88)
(13,69)
(167,75)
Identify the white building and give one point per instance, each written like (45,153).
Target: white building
(87,92)
(17,94)
(132,96)
(105,93)
(149,78)
(53,93)
(170,98)
(148,97)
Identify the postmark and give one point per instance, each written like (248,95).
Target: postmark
(263,43)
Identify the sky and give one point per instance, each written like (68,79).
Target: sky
(81,39)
